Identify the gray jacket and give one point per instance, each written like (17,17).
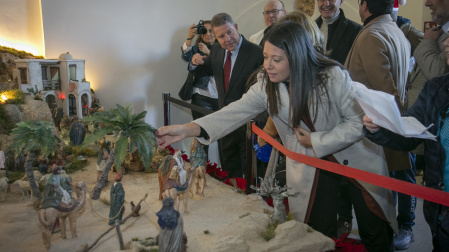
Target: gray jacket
(338,131)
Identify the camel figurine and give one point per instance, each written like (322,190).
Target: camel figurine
(47,217)
(198,159)
(175,180)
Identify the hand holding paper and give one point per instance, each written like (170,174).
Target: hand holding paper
(383,110)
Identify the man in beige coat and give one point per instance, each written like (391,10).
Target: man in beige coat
(430,60)
(379,58)
(429,54)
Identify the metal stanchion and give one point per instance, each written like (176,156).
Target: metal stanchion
(250,158)
(165,97)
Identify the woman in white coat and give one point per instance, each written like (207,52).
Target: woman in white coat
(311,102)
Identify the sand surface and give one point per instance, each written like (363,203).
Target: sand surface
(19,225)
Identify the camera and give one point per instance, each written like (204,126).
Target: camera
(200,29)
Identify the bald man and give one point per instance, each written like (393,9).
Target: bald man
(273,10)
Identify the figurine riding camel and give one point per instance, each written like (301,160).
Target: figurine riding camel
(198,159)
(57,202)
(174,179)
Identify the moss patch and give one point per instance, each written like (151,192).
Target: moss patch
(6,124)
(75,166)
(16,175)
(17,53)
(269,232)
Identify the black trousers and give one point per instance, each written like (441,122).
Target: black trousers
(233,152)
(375,233)
(205,102)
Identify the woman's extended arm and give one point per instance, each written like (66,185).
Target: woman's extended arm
(174,133)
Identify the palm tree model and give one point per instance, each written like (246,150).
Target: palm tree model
(131,134)
(34,137)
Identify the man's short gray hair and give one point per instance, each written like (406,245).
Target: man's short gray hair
(221,19)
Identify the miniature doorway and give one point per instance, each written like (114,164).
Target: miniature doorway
(72,72)
(72,105)
(51,102)
(85,104)
(55,81)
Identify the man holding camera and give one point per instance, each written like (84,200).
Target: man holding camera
(231,61)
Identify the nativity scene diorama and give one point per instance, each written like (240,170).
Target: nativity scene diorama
(100,170)
(65,158)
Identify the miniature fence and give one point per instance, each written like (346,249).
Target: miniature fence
(251,170)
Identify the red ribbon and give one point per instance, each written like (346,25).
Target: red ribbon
(426,193)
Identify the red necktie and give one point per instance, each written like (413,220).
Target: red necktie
(227,71)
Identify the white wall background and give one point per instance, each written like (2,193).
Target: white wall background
(21,25)
(132,48)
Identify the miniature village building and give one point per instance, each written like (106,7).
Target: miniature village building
(60,82)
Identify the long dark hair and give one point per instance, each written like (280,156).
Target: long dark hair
(306,71)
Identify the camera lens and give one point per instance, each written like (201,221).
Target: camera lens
(201,30)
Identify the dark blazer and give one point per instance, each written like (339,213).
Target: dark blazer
(198,81)
(250,57)
(341,36)
(430,107)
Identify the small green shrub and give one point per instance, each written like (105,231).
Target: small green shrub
(4,69)
(34,90)
(88,152)
(16,175)
(15,96)
(76,151)
(6,124)
(75,166)
(269,232)
(67,150)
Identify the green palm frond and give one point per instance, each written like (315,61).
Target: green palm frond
(121,147)
(99,133)
(33,136)
(129,131)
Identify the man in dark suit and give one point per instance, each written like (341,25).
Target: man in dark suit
(339,32)
(339,35)
(232,60)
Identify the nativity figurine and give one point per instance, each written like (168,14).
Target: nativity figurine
(171,237)
(117,199)
(198,160)
(77,132)
(57,202)
(174,179)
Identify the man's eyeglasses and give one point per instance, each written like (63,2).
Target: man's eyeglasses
(275,11)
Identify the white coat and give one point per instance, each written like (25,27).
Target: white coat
(338,132)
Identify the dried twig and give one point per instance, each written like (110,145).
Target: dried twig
(112,227)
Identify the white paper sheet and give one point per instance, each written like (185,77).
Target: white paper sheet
(383,110)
